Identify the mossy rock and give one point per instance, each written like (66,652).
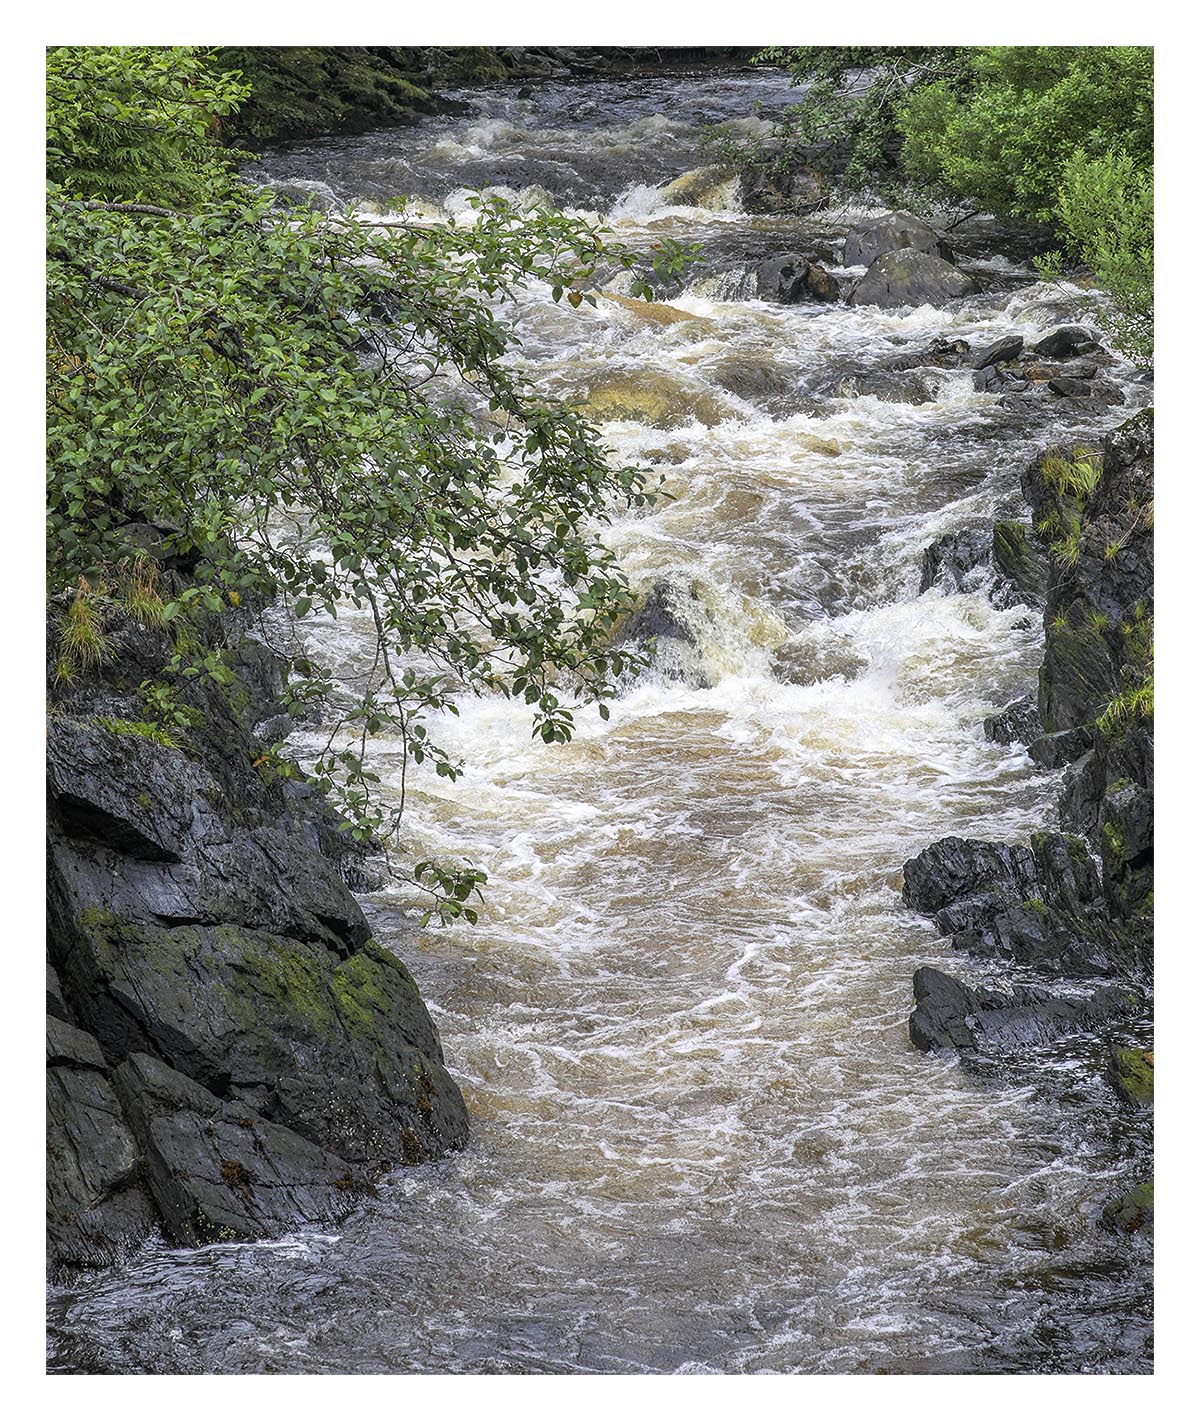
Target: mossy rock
(1132,1073)
(339,1049)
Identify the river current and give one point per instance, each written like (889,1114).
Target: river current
(701,1139)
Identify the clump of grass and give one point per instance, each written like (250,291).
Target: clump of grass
(143,600)
(1077,477)
(1135,703)
(1066,550)
(143,729)
(83,643)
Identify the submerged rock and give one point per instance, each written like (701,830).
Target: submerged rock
(711,186)
(670,623)
(654,398)
(950,1016)
(910,278)
(1132,1211)
(957,562)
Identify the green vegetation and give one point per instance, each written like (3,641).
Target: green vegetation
(1062,135)
(142,729)
(317,411)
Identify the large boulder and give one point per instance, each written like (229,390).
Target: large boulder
(893,232)
(910,278)
(210,971)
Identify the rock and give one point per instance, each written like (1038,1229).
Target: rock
(659,313)
(673,620)
(711,186)
(1021,565)
(1132,1074)
(1068,388)
(910,278)
(289,1029)
(999,352)
(198,916)
(1052,752)
(957,562)
(1074,370)
(655,398)
(796,193)
(95,1202)
(893,232)
(955,869)
(141,830)
(950,1016)
(988,380)
(790,279)
(1063,341)
(943,354)
(1131,1211)
(1017,724)
(901,388)
(217,1171)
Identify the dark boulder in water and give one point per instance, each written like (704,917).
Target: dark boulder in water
(1066,340)
(1131,1212)
(950,1016)
(957,562)
(910,278)
(670,622)
(1017,724)
(999,352)
(893,232)
(790,279)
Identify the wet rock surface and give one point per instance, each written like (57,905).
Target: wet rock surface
(909,277)
(950,1016)
(893,232)
(208,963)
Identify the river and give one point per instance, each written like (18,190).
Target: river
(701,1139)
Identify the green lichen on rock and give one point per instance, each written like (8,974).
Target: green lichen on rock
(1132,1073)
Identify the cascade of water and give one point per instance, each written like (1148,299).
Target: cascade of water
(701,1138)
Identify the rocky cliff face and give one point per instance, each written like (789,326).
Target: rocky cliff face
(229,1051)
(1075,906)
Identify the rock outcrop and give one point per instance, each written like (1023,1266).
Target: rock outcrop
(229,1051)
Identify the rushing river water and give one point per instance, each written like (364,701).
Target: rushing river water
(701,1138)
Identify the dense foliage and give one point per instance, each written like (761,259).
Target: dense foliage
(320,411)
(1055,134)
